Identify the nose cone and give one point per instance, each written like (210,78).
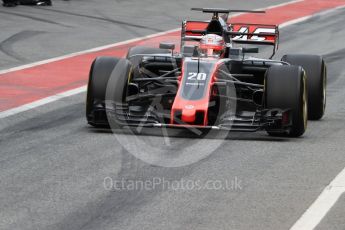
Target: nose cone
(194,92)
(191,113)
(188,114)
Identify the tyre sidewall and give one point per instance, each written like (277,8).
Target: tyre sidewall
(284,89)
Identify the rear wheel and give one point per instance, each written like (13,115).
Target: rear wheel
(285,88)
(316,73)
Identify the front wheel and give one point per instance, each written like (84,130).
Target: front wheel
(286,88)
(107,86)
(117,92)
(100,72)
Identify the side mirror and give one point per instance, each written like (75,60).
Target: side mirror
(250,50)
(167,46)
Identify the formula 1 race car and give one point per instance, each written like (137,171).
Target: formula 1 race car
(211,83)
(12,3)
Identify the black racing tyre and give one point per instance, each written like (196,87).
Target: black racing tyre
(35,2)
(100,72)
(116,92)
(10,3)
(316,73)
(118,82)
(286,88)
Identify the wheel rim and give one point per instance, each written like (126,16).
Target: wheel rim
(324,85)
(304,103)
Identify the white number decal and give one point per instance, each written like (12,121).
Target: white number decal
(197,76)
(262,30)
(256,31)
(201,76)
(192,75)
(242,37)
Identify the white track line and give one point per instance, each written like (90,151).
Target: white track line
(86,51)
(318,210)
(41,102)
(280,5)
(271,7)
(298,20)
(330,195)
(59,96)
(116,44)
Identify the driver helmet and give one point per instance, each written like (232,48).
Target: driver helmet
(211,45)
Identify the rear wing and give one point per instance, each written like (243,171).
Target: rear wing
(241,33)
(256,34)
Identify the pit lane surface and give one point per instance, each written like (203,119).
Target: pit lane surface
(53,165)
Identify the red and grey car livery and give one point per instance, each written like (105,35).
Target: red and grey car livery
(199,88)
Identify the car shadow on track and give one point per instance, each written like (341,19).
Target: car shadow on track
(184,133)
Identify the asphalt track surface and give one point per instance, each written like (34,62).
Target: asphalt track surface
(53,165)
